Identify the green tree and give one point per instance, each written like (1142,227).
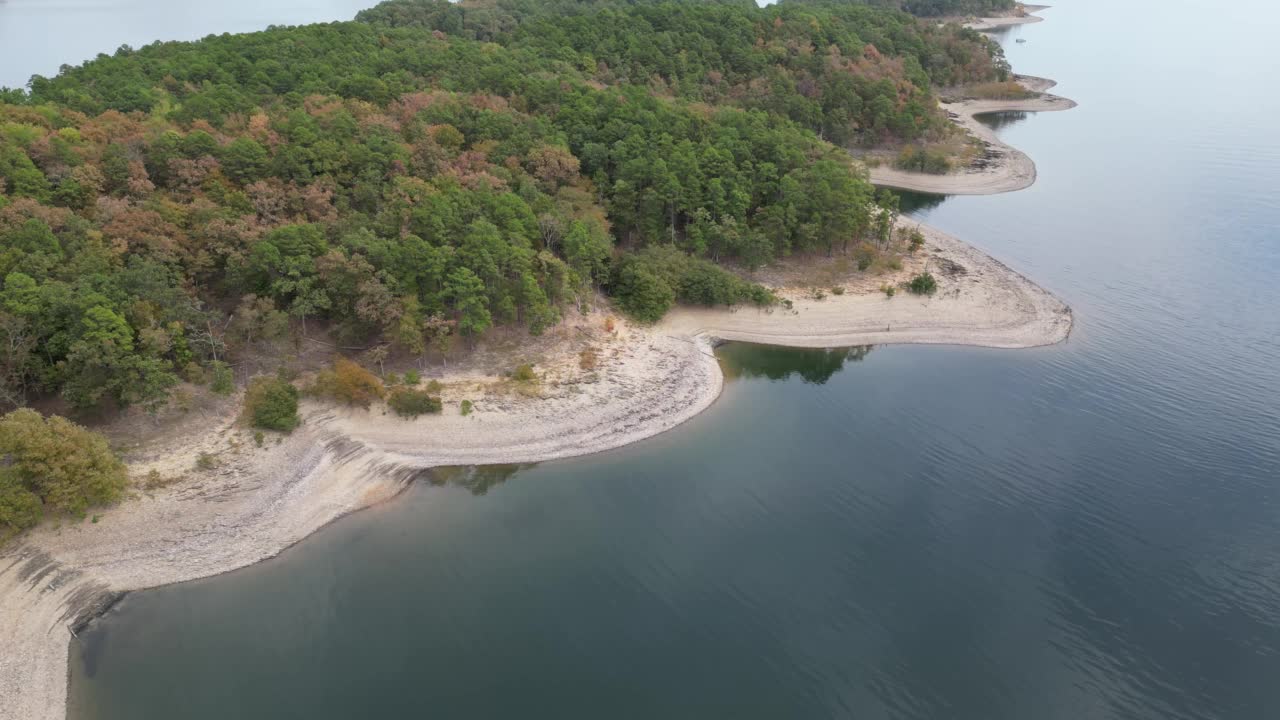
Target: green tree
(271,403)
(466,290)
(64,466)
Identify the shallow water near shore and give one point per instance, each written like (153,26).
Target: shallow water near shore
(1090,530)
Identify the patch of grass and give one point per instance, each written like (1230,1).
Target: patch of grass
(587,359)
(412,377)
(837,290)
(466,407)
(205,461)
(524,373)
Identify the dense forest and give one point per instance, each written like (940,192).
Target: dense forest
(431,170)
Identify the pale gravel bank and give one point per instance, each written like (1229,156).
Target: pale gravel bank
(1024,15)
(260,501)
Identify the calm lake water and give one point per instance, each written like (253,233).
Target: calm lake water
(1085,531)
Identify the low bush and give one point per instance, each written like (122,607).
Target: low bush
(271,403)
(466,407)
(923,284)
(412,377)
(934,162)
(223,382)
(411,403)
(52,464)
(1007,90)
(524,373)
(346,382)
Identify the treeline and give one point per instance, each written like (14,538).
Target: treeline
(162,210)
(845,70)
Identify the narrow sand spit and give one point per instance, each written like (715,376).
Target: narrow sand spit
(993,23)
(260,501)
(1006,168)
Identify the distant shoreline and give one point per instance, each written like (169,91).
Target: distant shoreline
(1009,169)
(261,501)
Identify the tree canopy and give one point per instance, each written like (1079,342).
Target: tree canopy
(433,168)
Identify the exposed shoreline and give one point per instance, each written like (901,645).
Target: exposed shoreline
(261,501)
(993,23)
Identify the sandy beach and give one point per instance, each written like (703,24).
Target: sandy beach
(643,381)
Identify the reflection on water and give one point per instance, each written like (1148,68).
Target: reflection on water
(911,202)
(477,480)
(740,360)
(998,120)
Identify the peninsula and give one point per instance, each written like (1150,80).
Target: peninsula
(617,229)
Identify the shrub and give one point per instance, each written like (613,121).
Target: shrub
(272,404)
(348,383)
(1007,90)
(392,379)
(434,386)
(917,240)
(412,377)
(412,403)
(258,437)
(641,293)
(934,162)
(223,382)
(923,284)
(194,374)
(837,290)
(524,373)
(205,461)
(587,359)
(55,464)
(889,290)
(466,407)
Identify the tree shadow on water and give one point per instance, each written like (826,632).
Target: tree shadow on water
(477,479)
(741,360)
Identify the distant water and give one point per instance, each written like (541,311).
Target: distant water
(1085,531)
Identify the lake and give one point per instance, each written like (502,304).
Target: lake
(1090,530)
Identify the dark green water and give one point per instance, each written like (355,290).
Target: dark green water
(1085,531)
